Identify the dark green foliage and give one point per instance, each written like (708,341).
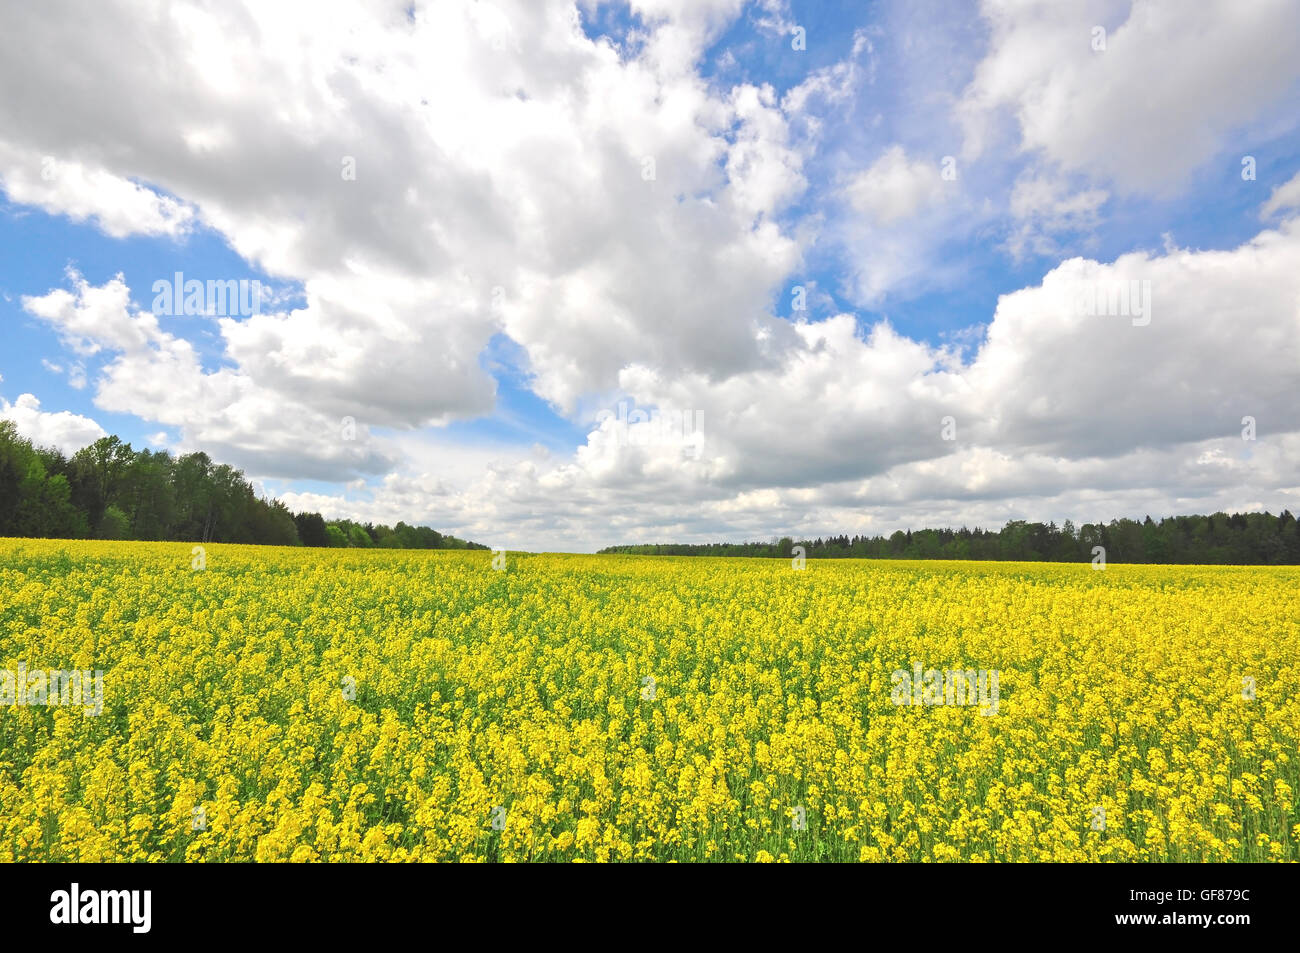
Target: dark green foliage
(109,491)
(113,525)
(311,529)
(1240,539)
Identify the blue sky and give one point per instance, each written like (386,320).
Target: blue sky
(500,269)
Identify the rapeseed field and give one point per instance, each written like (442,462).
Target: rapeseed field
(353,705)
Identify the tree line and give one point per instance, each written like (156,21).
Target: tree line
(110,491)
(1239,539)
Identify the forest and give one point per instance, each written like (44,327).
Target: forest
(110,491)
(1239,539)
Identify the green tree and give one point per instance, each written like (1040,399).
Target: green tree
(45,506)
(113,525)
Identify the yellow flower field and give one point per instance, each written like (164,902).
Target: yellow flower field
(339,705)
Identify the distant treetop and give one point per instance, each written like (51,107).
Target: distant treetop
(1239,539)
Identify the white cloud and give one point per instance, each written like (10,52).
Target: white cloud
(627,224)
(1285,196)
(900,214)
(1223,341)
(530,179)
(85,192)
(1058,414)
(67,431)
(1173,81)
(832,85)
(1043,208)
(895,188)
(159,377)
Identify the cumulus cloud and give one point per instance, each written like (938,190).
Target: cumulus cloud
(1142,103)
(67,431)
(434,178)
(549,198)
(895,187)
(1059,413)
(84,192)
(1063,370)
(1219,338)
(157,376)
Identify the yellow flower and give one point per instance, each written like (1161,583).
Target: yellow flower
(294,705)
